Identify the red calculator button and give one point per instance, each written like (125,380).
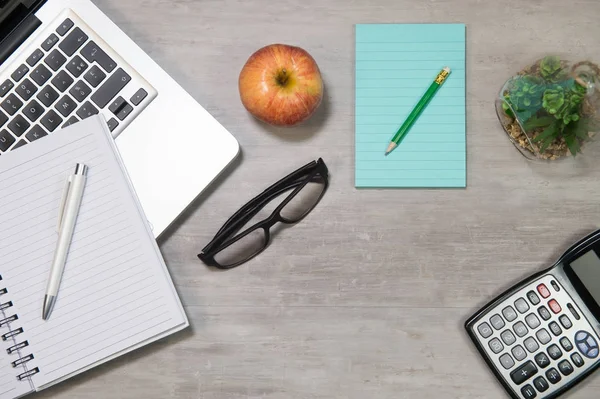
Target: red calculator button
(543,290)
(554,306)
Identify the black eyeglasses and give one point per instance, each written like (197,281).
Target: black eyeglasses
(230,247)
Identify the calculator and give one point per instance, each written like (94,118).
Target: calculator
(541,337)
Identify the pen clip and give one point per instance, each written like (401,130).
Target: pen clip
(63,202)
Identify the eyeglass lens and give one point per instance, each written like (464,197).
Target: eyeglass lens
(252,243)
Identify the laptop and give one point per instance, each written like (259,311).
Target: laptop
(62,61)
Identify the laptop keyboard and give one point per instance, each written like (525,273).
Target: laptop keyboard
(67,77)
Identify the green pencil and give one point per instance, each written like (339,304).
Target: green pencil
(418,110)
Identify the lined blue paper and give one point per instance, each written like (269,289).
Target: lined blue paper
(395,64)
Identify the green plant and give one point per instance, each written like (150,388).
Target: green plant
(523,98)
(550,103)
(551,69)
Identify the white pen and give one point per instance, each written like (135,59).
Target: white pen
(69,209)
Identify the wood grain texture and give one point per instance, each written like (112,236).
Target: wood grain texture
(354,302)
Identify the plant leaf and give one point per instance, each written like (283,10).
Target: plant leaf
(549,132)
(546,143)
(543,121)
(573,144)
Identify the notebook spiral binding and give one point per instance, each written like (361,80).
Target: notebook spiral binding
(6,321)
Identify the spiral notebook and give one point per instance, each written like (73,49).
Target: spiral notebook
(116,294)
(395,64)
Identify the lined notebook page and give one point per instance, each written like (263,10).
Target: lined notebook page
(10,386)
(395,64)
(115,291)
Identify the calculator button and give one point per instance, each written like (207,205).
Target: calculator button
(541,384)
(521,305)
(573,311)
(555,328)
(531,344)
(523,373)
(543,290)
(565,321)
(566,344)
(565,367)
(497,322)
(586,344)
(528,392)
(554,352)
(553,376)
(508,337)
(496,346)
(542,360)
(520,329)
(532,321)
(507,361)
(554,306)
(485,330)
(543,336)
(555,285)
(519,353)
(544,313)
(577,359)
(509,313)
(533,298)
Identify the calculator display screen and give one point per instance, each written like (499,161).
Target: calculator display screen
(585,275)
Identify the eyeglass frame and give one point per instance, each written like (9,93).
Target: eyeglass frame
(228,234)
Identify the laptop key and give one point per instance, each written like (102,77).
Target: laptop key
(26,89)
(80,91)
(125,111)
(40,74)
(77,66)
(73,41)
(6,140)
(55,60)
(33,111)
(12,104)
(35,57)
(19,73)
(50,42)
(65,105)
(112,124)
(138,97)
(47,96)
(87,110)
(18,125)
(70,121)
(111,88)
(35,133)
(64,27)
(116,106)
(94,76)
(6,86)
(92,52)
(51,120)
(62,81)
(3,119)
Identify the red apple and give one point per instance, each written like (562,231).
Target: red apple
(281,85)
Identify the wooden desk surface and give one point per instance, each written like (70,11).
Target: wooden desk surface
(354,302)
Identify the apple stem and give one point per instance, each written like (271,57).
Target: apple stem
(282,77)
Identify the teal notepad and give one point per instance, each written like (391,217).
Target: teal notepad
(395,64)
